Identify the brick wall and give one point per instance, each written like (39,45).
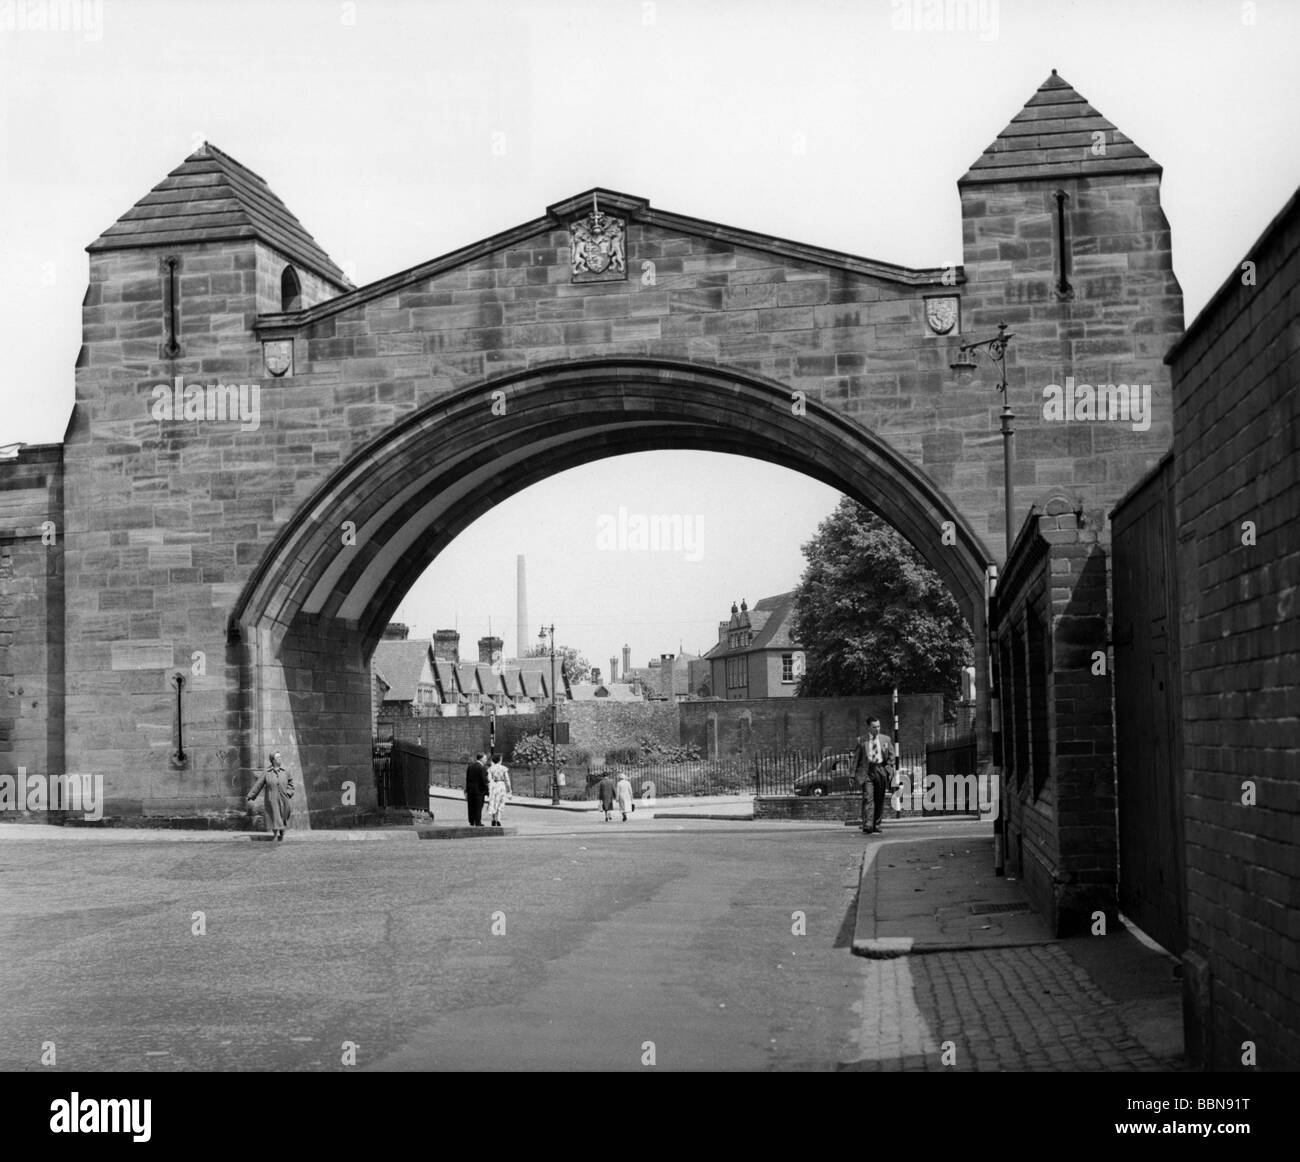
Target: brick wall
(805,723)
(1049,618)
(593,726)
(829,808)
(1236,450)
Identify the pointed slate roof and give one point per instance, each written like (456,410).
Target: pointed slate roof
(1053,137)
(772,620)
(210,197)
(402,663)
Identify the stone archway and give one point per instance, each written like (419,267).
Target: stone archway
(308,619)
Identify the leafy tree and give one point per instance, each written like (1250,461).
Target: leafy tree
(871,614)
(575,665)
(534,750)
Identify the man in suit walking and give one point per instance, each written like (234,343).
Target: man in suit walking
(476,789)
(873,768)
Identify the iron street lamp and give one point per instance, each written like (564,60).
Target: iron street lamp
(555,778)
(995,350)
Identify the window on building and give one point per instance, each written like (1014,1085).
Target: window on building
(290,290)
(737,673)
(787,667)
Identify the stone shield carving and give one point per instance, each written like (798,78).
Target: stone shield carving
(941,314)
(597,245)
(278,356)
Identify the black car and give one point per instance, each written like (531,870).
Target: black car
(833,775)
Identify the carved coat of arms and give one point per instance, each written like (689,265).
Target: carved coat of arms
(941,314)
(598,248)
(278,355)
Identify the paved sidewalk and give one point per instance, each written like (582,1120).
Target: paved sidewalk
(949,989)
(917,896)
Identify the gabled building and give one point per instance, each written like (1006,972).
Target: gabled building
(757,655)
(407,668)
(428,678)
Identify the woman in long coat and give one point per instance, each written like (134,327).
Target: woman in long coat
(498,788)
(605,793)
(278,784)
(623,792)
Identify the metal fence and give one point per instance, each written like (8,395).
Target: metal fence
(401,775)
(766,773)
(534,782)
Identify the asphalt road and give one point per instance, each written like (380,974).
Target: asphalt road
(611,943)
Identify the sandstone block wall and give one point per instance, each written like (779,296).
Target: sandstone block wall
(168,520)
(31,612)
(1121,315)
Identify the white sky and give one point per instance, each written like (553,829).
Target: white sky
(817,121)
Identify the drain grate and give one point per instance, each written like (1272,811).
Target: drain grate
(986,909)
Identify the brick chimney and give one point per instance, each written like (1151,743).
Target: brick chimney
(489,649)
(613,669)
(595,675)
(446,645)
(396,631)
(627,659)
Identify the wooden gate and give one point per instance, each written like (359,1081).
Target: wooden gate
(1148,711)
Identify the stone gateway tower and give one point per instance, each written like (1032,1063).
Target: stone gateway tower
(263,458)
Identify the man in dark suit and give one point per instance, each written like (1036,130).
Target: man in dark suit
(873,767)
(476,789)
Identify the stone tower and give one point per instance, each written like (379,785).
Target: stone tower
(1065,241)
(176,285)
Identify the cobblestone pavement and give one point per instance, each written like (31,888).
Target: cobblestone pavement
(1013,1009)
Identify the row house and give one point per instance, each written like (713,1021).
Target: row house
(428,678)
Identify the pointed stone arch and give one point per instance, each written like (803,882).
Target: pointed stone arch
(313,609)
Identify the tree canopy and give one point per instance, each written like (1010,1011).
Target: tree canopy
(573,663)
(870,614)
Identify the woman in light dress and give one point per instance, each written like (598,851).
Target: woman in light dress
(499,788)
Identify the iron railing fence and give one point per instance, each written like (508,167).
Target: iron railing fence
(765,773)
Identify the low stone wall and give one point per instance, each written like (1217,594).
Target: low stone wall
(832,808)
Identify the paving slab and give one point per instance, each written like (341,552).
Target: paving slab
(939,895)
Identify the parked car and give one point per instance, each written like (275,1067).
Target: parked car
(833,775)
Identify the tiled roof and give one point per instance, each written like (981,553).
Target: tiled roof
(542,666)
(401,663)
(772,620)
(467,676)
(210,197)
(1054,136)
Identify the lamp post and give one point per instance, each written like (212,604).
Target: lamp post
(995,350)
(555,779)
